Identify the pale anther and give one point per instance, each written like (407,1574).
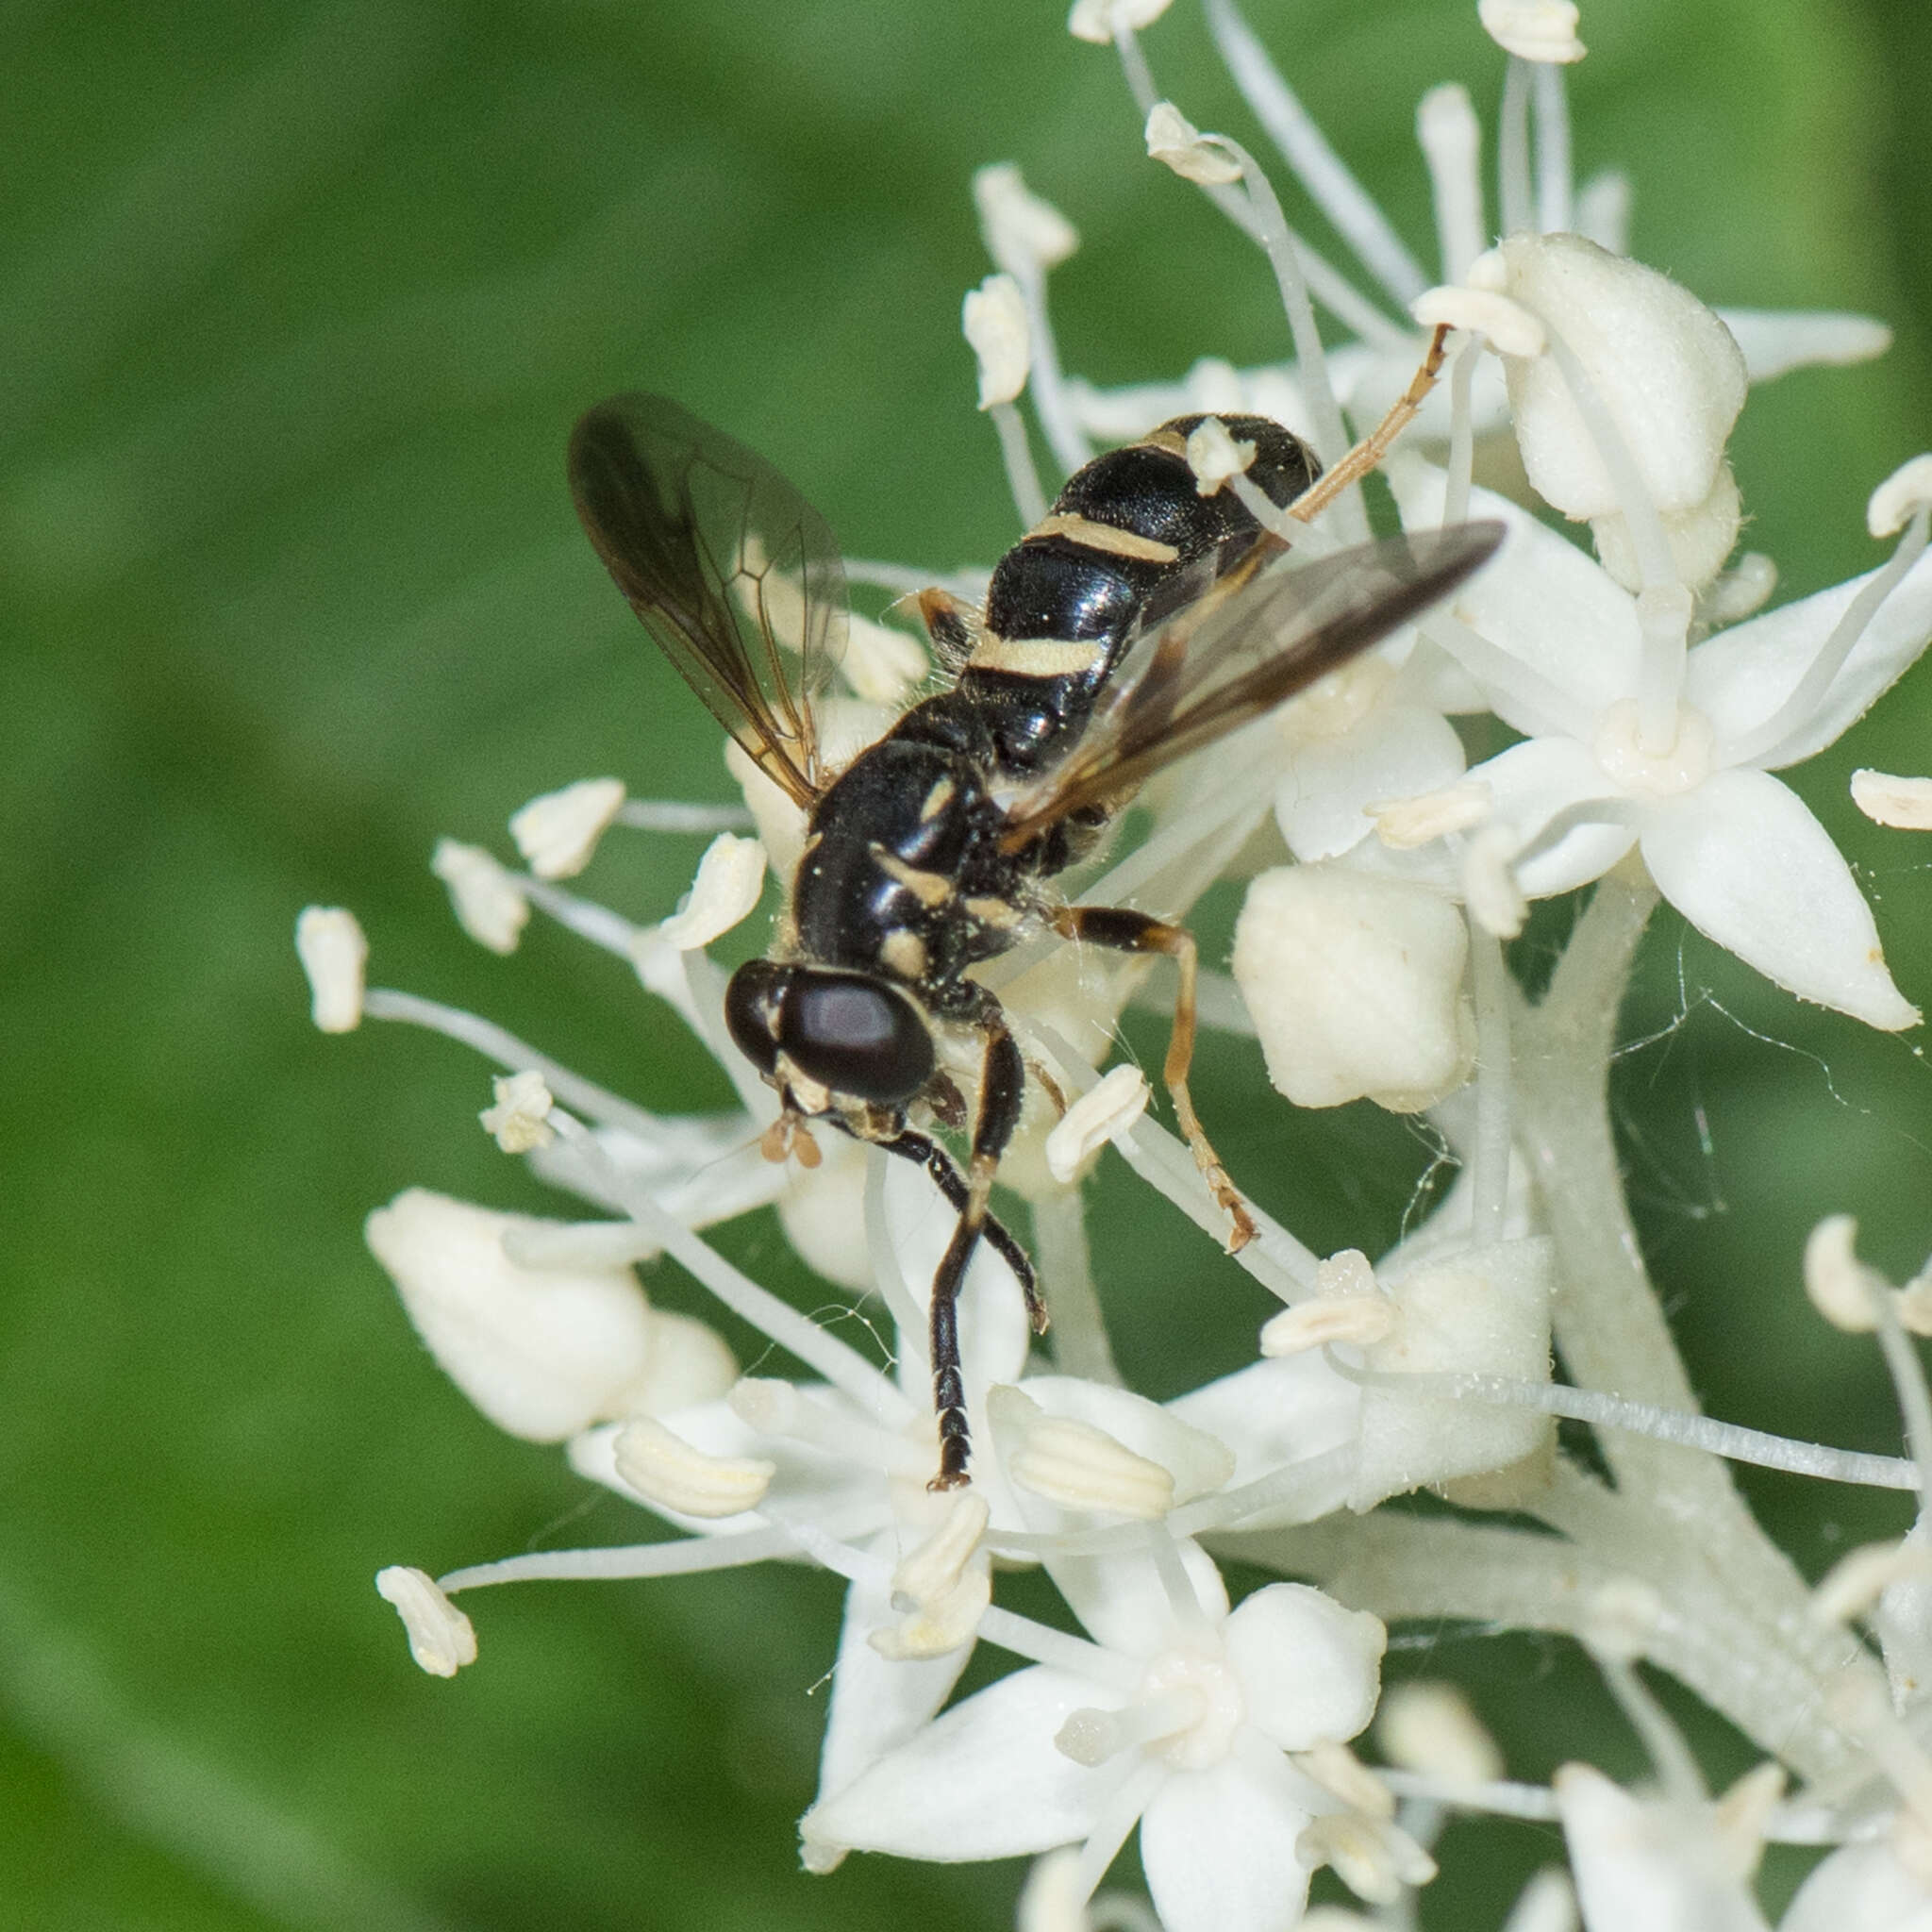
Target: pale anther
(1900,497)
(1905,804)
(1363,1853)
(488,904)
(1202,159)
(441,1637)
(1105,1111)
(939,1623)
(1097,21)
(994,318)
(1507,327)
(671,1474)
(935,1566)
(1348,1270)
(1856,1582)
(521,1118)
(1214,455)
(557,832)
(1429,1727)
(334,954)
(1405,824)
(1540,30)
(1337,1769)
(1023,234)
(1841,1288)
(1361,1319)
(1746,587)
(1075,1464)
(1490,888)
(730,877)
(1743,1814)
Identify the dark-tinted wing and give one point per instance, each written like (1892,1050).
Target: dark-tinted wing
(733,573)
(1239,651)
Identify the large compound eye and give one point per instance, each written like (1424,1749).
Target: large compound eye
(752,1005)
(855,1036)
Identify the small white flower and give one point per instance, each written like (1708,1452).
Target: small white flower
(557,833)
(1180,1724)
(442,1638)
(1582,668)
(335,954)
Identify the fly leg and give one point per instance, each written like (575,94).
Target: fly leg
(1370,451)
(929,1154)
(1125,931)
(1002,1086)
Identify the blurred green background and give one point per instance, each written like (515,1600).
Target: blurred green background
(296,307)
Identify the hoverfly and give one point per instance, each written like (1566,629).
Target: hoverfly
(1138,622)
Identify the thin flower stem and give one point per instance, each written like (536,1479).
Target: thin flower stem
(1908,1379)
(1552,166)
(1727,1439)
(1490,1162)
(887,1274)
(1512,151)
(1080,1346)
(676,815)
(676,1556)
(1322,172)
(1044,383)
(1670,1756)
(1139,77)
(1022,477)
(1039,1643)
(1461,431)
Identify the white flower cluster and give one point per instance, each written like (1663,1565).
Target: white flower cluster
(1652,698)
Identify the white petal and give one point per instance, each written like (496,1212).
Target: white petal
(1399,750)
(1532,782)
(1740,676)
(877,1704)
(1642,1865)
(1861,1888)
(1219,1850)
(1309,1669)
(1745,861)
(1280,1412)
(984,1782)
(1541,599)
(1775,340)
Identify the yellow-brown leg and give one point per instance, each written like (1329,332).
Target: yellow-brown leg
(1375,445)
(1125,931)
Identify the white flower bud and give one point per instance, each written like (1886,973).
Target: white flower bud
(1540,30)
(1664,366)
(334,952)
(1900,497)
(1107,1110)
(993,316)
(669,1474)
(1214,455)
(1700,538)
(1173,138)
(557,833)
(1511,329)
(442,1638)
(730,877)
(541,1352)
(1310,1670)
(1023,234)
(1905,803)
(1429,1727)
(1096,21)
(1355,983)
(488,904)
(1483,1312)
(521,1118)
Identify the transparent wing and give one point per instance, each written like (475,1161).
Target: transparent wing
(1250,641)
(733,573)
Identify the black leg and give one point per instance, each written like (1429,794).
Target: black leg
(929,1154)
(1127,931)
